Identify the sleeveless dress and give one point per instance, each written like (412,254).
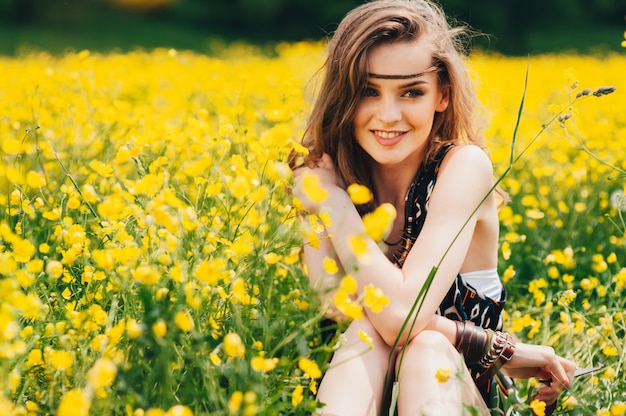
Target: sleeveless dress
(462,302)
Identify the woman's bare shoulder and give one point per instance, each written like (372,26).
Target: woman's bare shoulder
(469,157)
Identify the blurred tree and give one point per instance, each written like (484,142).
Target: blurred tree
(509,25)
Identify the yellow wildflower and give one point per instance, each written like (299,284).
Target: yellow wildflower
(618,408)
(358,245)
(359,194)
(538,407)
(60,360)
(233,346)
(179,410)
(54,269)
(348,284)
(312,188)
(235,401)
(146,274)
(364,337)
(508,274)
(74,403)
(330,265)
(506,250)
(309,367)
(159,328)
(443,374)
(271,258)
(102,374)
(297,396)
(184,321)
(378,223)
(567,297)
(262,364)
(375,298)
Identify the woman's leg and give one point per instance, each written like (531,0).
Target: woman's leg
(353,385)
(422,393)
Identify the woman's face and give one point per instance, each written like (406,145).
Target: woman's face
(395,115)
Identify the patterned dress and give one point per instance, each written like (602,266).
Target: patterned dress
(462,302)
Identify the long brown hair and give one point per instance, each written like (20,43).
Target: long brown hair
(330,125)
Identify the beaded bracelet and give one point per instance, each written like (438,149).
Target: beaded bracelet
(500,352)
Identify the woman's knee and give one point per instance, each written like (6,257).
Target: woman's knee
(428,340)
(430,348)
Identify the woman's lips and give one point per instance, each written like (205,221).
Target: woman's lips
(388,138)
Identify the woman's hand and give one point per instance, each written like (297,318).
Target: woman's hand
(555,373)
(327,178)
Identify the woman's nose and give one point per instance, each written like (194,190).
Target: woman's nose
(389,110)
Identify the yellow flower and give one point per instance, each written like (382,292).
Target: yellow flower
(235,401)
(271,258)
(309,367)
(538,407)
(208,272)
(215,359)
(506,250)
(348,284)
(358,245)
(609,351)
(359,194)
(375,298)
(443,374)
(74,403)
(35,357)
(297,396)
(378,223)
(159,328)
(508,274)
(35,179)
(183,321)
(54,269)
(569,403)
(102,374)
(609,374)
(179,410)
(312,188)
(233,346)
(146,274)
(60,360)
(343,298)
(567,297)
(618,409)
(325,219)
(153,411)
(262,364)
(346,306)
(330,265)
(364,337)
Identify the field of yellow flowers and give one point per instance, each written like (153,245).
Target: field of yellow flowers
(149,252)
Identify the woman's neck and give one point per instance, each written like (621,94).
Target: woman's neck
(391,183)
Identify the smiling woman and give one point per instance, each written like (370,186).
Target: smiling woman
(396,113)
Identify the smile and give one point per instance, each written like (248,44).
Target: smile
(388,134)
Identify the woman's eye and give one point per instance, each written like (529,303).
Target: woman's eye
(413,93)
(370,92)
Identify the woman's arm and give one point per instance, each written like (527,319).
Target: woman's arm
(324,284)
(528,361)
(462,184)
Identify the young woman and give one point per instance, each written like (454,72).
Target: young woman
(397,112)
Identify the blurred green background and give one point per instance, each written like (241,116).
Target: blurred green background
(512,27)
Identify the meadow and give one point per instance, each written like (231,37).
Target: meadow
(150,252)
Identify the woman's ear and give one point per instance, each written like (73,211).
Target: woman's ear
(444,99)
